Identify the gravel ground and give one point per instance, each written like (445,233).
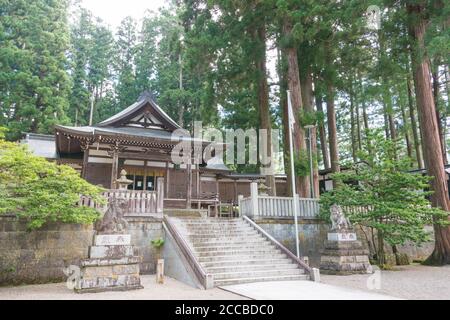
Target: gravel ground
(414,282)
(406,282)
(170,290)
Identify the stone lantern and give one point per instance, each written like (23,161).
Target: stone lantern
(123,182)
(263,189)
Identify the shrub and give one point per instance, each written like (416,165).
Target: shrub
(42,191)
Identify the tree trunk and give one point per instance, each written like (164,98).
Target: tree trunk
(322,133)
(353,123)
(285,118)
(430,131)
(389,124)
(438,113)
(414,128)
(381,257)
(358,124)
(263,101)
(293,80)
(332,130)
(405,125)
(331,115)
(306,83)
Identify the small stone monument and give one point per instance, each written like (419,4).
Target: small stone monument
(112,265)
(343,253)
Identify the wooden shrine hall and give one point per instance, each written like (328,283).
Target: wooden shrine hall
(139,140)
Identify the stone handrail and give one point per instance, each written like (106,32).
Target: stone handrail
(204,278)
(279,245)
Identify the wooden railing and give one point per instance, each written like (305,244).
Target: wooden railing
(205,279)
(277,207)
(139,203)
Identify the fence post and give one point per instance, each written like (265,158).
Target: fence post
(240,197)
(254,197)
(159,194)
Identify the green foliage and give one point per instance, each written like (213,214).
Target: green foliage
(397,206)
(90,57)
(307,118)
(157,243)
(34,83)
(302,164)
(42,191)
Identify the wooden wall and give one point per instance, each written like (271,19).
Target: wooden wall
(177,184)
(99,174)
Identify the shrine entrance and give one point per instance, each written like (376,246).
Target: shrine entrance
(143,178)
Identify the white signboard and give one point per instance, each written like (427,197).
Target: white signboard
(112,240)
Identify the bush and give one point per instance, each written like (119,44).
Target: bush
(42,191)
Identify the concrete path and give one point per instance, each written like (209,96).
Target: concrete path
(301,290)
(170,290)
(413,282)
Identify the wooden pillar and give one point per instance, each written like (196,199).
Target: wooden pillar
(189,185)
(197,176)
(144,187)
(85,149)
(166,180)
(115,167)
(217,188)
(235,200)
(160,194)
(254,197)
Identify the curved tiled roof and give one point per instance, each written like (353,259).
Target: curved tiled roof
(144,99)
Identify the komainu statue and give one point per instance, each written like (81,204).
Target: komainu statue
(338,219)
(113,220)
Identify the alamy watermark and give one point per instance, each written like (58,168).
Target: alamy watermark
(374,281)
(73,274)
(373,17)
(238,146)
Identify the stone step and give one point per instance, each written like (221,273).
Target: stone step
(243,239)
(256,267)
(220,234)
(237,252)
(225,282)
(214,226)
(225,247)
(257,274)
(216,229)
(245,262)
(199,222)
(212,244)
(234,252)
(242,257)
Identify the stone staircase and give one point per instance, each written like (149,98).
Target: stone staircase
(234,252)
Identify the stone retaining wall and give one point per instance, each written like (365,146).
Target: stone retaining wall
(312,234)
(143,230)
(40,256)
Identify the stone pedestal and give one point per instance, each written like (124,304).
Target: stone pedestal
(344,254)
(112,265)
